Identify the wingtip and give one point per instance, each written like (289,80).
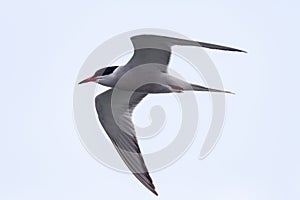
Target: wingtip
(239,50)
(228,92)
(243,51)
(152,189)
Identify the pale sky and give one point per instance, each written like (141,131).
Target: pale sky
(43,46)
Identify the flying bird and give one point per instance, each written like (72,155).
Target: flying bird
(145,73)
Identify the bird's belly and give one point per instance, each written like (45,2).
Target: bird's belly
(155,88)
(148,82)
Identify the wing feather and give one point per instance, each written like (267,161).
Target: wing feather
(115,117)
(156,49)
(165,43)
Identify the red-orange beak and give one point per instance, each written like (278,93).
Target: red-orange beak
(91,79)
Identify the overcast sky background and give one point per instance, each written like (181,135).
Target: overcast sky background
(44,44)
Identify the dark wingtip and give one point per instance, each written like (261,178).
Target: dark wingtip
(154,192)
(228,92)
(219,47)
(237,50)
(243,51)
(152,189)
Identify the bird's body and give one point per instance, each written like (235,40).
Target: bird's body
(155,81)
(146,72)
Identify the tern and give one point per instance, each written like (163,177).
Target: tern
(145,73)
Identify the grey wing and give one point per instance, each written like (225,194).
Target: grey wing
(165,43)
(114,111)
(150,50)
(157,49)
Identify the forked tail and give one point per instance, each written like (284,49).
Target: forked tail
(201,88)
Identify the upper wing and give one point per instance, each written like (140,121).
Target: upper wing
(114,108)
(165,43)
(157,49)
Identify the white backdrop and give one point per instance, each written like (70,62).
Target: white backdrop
(43,45)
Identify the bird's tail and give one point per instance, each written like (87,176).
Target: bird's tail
(201,88)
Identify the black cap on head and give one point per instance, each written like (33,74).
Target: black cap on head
(105,71)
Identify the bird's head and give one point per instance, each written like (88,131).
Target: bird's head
(101,76)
